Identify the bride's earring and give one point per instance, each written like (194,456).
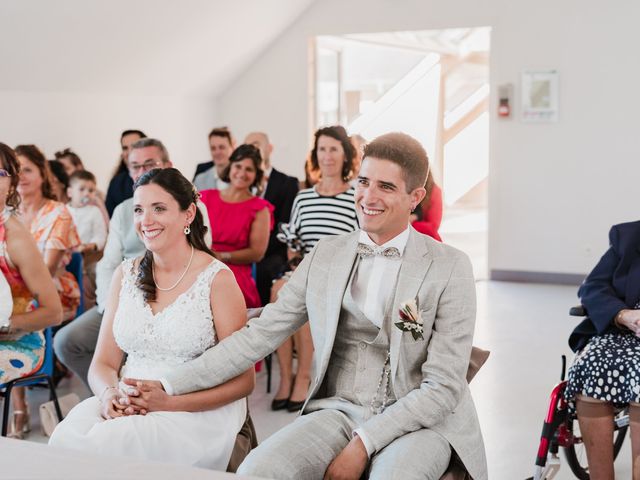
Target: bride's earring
(187,230)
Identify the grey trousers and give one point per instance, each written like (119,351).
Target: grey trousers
(306,447)
(75,343)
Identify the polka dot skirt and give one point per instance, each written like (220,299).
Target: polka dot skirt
(608,369)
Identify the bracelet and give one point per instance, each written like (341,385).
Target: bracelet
(226,256)
(6,328)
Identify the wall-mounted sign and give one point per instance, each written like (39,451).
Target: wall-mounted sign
(540,96)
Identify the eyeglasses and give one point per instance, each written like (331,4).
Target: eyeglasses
(148,165)
(4,173)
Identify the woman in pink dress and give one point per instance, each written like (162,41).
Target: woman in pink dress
(240,220)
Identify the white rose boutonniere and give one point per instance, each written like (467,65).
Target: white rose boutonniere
(410,320)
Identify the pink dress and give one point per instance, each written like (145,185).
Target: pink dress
(230,230)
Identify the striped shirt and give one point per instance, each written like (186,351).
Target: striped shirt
(314,216)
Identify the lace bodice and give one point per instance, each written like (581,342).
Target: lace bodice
(180,332)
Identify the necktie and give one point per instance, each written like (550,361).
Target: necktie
(368,251)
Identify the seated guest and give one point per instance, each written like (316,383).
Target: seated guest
(21,266)
(73,163)
(209,174)
(164,309)
(604,376)
(59,181)
(50,224)
(323,210)
(358,142)
(279,190)
(90,225)
(427,217)
(75,343)
(121,185)
(240,221)
(392,314)
(69,160)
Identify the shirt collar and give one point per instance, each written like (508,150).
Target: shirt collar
(399,241)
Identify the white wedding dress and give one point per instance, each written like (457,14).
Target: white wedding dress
(154,344)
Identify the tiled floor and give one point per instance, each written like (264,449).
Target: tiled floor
(525,327)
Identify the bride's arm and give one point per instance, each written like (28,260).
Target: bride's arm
(229,314)
(103,372)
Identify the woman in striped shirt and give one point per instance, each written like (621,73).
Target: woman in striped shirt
(326,209)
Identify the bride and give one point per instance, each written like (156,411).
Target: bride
(163,310)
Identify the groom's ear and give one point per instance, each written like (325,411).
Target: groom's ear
(417,195)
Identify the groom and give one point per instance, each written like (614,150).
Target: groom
(389,392)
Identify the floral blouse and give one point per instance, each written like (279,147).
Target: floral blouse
(53,228)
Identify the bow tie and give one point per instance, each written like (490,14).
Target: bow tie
(368,251)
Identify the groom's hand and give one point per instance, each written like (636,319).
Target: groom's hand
(350,463)
(147,395)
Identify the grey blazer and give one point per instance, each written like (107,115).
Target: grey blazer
(428,375)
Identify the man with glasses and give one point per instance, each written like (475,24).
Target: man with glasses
(75,343)
(208,174)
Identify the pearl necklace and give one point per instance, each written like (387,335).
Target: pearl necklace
(153,274)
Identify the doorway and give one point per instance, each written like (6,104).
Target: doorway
(432,85)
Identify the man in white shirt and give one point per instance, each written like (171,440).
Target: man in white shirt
(75,343)
(392,314)
(221,145)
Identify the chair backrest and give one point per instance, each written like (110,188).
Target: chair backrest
(75,267)
(48,363)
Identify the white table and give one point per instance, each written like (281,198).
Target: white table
(20,459)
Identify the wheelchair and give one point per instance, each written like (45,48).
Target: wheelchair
(560,429)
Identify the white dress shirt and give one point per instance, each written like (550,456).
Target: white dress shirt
(371,282)
(372,287)
(266,175)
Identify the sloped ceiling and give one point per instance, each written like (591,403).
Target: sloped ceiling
(150,47)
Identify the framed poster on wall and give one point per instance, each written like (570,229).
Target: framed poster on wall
(540,99)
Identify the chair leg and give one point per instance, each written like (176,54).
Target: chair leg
(267,362)
(5,410)
(53,396)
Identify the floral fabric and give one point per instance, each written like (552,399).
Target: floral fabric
(20,355)
(53,228)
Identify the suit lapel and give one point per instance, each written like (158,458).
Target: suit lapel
(416,261)
(273,186)
(339,271)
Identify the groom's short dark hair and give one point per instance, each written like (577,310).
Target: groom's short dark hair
(406,152)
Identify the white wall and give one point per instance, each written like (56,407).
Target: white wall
(91,124)
(554,189)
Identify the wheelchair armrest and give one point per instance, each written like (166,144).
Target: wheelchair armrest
(578,311)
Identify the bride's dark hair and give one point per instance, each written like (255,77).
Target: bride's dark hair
(183,191)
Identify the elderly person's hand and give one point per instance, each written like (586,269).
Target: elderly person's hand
(629,319)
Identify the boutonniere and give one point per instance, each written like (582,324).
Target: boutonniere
(410,320)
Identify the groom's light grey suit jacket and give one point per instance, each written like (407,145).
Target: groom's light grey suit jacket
(428,375)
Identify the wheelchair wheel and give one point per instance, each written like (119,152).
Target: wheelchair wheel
(576,454)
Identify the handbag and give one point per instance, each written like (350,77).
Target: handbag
(48,416)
